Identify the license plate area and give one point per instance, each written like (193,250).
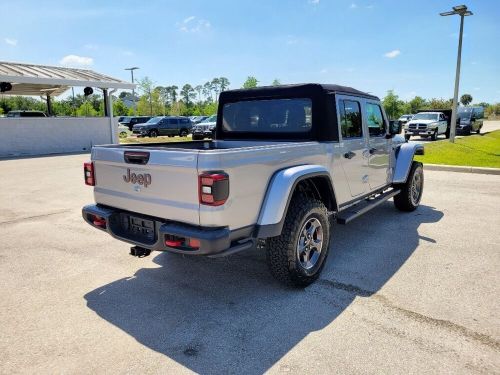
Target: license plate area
(138,228)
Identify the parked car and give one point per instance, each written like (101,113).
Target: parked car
(287,162)
(427,124)
(164,125)
(197,119)
(202,131)
(23,113)
(404,119)
(130,121)
(469,119)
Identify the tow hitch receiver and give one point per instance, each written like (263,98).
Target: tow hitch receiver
(139,252)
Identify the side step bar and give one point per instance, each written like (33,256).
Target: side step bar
(351,213)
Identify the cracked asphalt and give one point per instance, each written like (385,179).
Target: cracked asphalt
(405,293)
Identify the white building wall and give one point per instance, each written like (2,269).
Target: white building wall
(52,135)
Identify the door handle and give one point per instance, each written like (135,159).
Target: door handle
(349,155)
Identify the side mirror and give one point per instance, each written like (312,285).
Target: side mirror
(394,127)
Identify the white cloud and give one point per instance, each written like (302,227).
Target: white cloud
(314,2)
(392,54)
(10,41)
(76,61)
(353,6)
(193,25)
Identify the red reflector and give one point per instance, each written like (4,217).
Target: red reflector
(206,198)
(99,222)
(194,243)
(88,173)
(173,243)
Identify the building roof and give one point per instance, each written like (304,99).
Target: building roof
(32,79)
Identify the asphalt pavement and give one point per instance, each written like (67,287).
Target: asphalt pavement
(401,292)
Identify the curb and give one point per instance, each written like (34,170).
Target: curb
(459,168)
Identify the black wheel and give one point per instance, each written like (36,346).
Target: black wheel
(447,134)
(434,135)
(183,133)
(411,191)
(407,137)
(478,130)
(297,256)
(153,133)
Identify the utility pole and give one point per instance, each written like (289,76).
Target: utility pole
(462,11)
(132,74)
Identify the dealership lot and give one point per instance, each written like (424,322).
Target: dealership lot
(412,293)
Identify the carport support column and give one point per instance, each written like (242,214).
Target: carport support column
(108,110)
(49,105)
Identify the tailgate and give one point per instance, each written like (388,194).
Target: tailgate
(164,184)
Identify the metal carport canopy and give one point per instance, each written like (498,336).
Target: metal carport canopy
(32,79)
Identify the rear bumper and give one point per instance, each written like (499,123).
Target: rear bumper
(213,241)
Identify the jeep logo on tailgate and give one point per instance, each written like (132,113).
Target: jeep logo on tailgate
(141,179)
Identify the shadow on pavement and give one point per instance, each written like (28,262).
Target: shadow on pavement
(229,316)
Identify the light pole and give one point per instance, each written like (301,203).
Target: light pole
(132,74)
(462,11)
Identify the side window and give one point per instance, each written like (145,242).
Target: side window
(441,117)
(350,119)
(375,120)
(172,123)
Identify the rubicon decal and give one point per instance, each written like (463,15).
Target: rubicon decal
(141,179)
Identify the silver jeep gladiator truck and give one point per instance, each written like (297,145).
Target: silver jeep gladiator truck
(286,163)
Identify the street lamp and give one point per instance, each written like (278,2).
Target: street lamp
(462,11)
(132,74)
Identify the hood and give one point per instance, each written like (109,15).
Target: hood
(421,121)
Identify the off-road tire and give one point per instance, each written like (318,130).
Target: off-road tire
(434,135)
(281,251)
(403,201)
(153,133)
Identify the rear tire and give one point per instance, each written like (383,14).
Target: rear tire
(183,133)
(411,192)
(297,256)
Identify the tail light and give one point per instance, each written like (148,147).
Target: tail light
(213,188)
(88,173)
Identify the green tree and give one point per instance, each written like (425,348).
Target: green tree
(146,85)
(440,103)
(119,109)
(223,83)
(207,91)
(276,82)
(188,94)
(86,110)
(251,82)
(466,99)
(199,90)
(392,105)
(416,103)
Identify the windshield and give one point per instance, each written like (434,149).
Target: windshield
(425,116)
(212,118)
(269,116)
(464,112)
(154,120)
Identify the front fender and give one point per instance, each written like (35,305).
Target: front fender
(404,159)
(278,195)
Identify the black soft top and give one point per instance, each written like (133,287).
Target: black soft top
(295,90)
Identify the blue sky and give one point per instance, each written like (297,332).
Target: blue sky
(372,45)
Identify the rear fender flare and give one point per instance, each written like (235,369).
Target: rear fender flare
(278,196)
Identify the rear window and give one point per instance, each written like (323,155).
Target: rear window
(268,116)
